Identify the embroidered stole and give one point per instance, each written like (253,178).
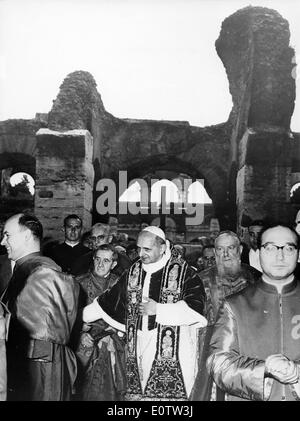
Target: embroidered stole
(165,381)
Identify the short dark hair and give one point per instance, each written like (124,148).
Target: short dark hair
(32,223)
(107,247)
(72,216)
(274,225)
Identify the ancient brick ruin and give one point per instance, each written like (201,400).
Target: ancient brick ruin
(249,163)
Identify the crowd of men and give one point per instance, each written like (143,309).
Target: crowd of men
(101,318)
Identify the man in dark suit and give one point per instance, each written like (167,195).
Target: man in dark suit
(67,253)
(250,256)
(228,276)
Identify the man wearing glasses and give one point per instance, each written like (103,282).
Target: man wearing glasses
(255,347)
(100,234)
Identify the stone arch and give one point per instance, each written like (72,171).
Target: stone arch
(150,164)
(171,189)
(19,162)
(18,153)
(10,164)
(213,173)
(164,163)
(254,147)
(215,179)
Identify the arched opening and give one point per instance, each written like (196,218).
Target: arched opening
(23,184)
(295,194)
(132,193)
(198,194)
(16,185)
(165,190)
(165,198)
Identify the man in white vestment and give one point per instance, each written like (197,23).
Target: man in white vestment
(159,303)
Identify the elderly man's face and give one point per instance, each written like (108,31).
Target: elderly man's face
(99,236)
(228,253)
(278,263)
(150,251)
(103,262)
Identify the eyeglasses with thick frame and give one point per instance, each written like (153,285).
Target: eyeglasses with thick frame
(288,249)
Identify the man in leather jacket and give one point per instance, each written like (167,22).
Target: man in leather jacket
(43,304)
(66,254)
(255,347)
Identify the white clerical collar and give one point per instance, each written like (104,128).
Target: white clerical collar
(279,284)
(154,267)
(71,244)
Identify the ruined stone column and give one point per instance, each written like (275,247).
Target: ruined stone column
(264,177)
(254,48)
(64,178)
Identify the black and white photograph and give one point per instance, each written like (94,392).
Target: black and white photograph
(149,203)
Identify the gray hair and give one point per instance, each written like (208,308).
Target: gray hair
(230,234)
(106,227)
(107,247)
